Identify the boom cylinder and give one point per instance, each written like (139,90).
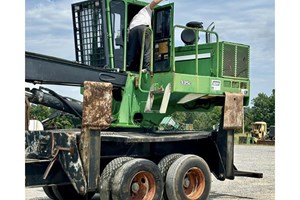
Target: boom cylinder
(39,97)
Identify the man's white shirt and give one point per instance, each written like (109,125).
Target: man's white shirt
(143,17)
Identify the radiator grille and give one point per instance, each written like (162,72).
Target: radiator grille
(235,61)
(229,60)
(242,62)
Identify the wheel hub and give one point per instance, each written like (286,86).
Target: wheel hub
(143,186)
(194,183)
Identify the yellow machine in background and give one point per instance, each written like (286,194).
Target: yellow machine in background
(260,134)
(259,130)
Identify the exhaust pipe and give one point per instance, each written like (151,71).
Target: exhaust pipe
(211,27)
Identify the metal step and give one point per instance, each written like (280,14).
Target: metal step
(165,100)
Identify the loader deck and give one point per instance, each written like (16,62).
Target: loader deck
(162,136)
(135,136)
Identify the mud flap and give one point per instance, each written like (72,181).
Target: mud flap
(96,116)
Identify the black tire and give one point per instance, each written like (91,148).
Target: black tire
(188,178)
(137,179)
(107,175)
(49,192)
(68,192)
(164,165)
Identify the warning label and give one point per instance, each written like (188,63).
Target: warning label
(216,85)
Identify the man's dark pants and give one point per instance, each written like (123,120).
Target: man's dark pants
(134,48)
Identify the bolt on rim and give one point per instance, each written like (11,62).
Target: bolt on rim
(194,183)
(142,186)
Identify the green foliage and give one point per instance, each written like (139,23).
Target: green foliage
(62,121)
(206,120)
(39,112)
(200,120)
(180,117)
(263,109)
(247,119)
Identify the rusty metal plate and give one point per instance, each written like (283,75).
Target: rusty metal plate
(96,116)
(97,105)
(233,110)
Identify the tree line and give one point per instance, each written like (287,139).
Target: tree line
(262,108)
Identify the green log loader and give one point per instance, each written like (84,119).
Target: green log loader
(118,151)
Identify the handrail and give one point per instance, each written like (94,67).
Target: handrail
(109,35)
(197,31)
(142,58)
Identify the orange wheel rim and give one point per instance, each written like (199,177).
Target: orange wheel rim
(194,183)
(143,186)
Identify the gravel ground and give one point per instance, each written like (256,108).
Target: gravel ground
(254,158)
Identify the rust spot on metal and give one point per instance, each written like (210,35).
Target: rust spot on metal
(233,110)
(96,115)
(53,149)
(194,183)
(50,165)
(97,104)
(143,186)
(136,82)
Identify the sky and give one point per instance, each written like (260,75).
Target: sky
(48,30)
(45,26)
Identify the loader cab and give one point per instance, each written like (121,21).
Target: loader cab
(162,23)
(163,37)
(100,33)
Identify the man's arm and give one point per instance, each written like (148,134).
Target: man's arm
(154,3)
